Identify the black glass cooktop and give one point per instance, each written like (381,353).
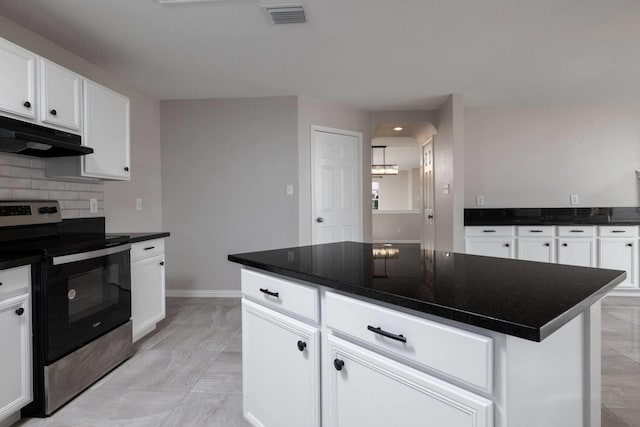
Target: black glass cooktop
(521,298)
(62,244)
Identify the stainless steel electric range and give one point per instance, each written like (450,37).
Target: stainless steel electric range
(81,298)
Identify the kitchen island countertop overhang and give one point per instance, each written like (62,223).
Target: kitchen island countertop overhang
(520,298)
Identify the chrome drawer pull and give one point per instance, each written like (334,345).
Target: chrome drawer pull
(268,292)
(384,333)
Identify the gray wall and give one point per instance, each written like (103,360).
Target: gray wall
(449,169)
(538,156)
(396,227)
(329,114)
(225,167)
(395,191)
(119,197)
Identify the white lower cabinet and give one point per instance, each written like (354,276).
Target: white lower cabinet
(533,249)
(619,254)
(580,252)
(15,343)
(147,286)
(368,389)
(281,369)
(490,241)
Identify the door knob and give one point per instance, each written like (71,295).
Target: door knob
(430,216)
(319,219)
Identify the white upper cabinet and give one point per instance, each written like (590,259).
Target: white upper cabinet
(106,130)
(17,80)
(60,96)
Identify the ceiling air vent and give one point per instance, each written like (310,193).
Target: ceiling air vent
(289,14)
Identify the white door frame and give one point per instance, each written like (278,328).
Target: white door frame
(423,211)
(358,135)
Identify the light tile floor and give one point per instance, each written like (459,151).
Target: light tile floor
(188,372)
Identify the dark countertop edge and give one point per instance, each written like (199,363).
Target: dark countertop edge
(19,261)
(549,223)
(581,307)
(143,237)
(497,325)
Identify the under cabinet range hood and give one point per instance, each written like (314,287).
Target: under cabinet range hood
(28,139)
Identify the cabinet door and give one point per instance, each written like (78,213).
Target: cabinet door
(367,389)
(281,370)
(619,254)
(106,130)
(15,354)
(540,250)
(59,96)
(147,295)
(580,252)
(17,80)
(495,247)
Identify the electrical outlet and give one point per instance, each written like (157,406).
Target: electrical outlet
(138,204)
(574,199)
(479,200)
(290,190)
(93,205)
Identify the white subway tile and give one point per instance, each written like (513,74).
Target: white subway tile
(87,196)
(19,172)
(75,204)
(47,185)
(69,213)
(38,163)
(14,183)
(5,193)
(77,186)
(5,170)
(8,159)
(63,195)
(29,194)
(97,187)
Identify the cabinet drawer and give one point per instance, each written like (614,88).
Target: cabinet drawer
(147,249)
(489,231)
(536,231)
(576,231)
(616,231)
(454,352)
(14,279)
(282,294)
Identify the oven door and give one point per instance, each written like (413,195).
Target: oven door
(86,295)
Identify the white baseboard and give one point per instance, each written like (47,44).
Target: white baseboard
(202,293)
(624,293)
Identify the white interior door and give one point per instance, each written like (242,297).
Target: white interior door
(428,228)
(336,186)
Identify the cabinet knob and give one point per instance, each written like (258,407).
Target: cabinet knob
(547,244)
(161,262)
(630,244)
(429,216)
(126,168)
(20,311)
(302,345)
(27,104)
(506,245)
(53,112)
(319,219)
(338,364)
(565,244)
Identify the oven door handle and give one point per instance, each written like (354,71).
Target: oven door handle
(83,256)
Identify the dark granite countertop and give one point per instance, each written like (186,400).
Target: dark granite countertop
(525,299)
(10,261)
(142,237)
(552,216)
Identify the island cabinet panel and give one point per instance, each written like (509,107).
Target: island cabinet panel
(394,394)
(463,355)
(281,369)
(300,300)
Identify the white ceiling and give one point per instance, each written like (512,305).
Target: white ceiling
(373,54)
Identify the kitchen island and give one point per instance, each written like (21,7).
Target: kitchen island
(356,334)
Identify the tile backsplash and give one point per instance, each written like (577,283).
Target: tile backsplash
(23,177)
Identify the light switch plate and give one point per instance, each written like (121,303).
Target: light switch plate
(138,204)
(93,205)
(479,200)
(574,199)
(290,190)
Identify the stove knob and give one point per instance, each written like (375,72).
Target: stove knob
(43,210)
(52,210)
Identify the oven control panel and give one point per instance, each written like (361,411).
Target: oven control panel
(28,212)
